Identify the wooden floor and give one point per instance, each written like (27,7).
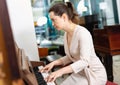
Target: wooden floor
(116,69)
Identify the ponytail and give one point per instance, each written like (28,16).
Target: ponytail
(74,17)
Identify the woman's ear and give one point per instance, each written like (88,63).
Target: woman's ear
(64,16)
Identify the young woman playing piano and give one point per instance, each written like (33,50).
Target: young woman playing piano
(80,60)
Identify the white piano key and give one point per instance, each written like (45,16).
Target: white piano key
(45,75)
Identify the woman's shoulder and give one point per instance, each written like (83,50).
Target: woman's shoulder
(81,29)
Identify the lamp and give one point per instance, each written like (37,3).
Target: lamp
(41,21)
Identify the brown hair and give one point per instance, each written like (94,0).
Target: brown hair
(67,8)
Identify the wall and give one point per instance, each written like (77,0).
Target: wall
(21,18)
(75,2)
(118,6)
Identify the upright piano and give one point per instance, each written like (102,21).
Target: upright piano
(107,44)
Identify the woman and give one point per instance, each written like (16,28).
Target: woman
(80,60)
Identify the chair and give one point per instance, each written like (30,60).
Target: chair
(43,53)
(111,83)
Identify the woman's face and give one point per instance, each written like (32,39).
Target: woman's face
(57,21)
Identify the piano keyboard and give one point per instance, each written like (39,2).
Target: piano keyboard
(40,76)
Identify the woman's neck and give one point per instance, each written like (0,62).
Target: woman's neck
(70,28)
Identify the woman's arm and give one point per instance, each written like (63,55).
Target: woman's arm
(57,62)
(49,66)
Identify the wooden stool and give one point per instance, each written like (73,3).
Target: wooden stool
(111,83)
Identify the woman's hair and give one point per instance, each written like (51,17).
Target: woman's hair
(67,8)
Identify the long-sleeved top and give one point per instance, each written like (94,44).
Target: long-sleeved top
(87,68)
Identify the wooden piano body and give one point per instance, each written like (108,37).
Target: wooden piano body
(107,43)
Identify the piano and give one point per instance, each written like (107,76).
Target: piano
(30,70)
(107,44)
(14,68)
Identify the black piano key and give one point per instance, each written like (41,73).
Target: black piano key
(39,77)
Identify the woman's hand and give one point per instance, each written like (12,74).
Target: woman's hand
(47,68)
(52,77)
(65,70)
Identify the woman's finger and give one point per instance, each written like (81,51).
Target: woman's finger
(50,78)
(49,69)
(43,69)
(53,79)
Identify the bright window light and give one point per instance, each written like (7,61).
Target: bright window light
(103,5)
